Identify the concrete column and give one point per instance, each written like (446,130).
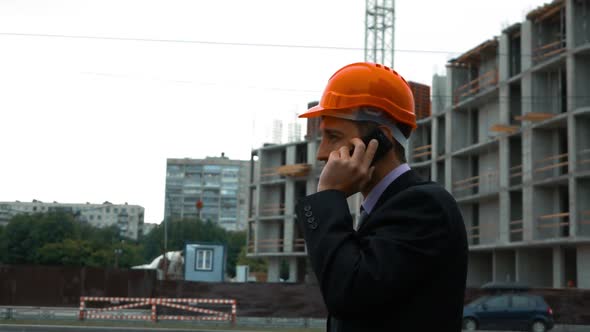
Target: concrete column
(434,149)
(527,190)
(257,198)
(583,264)
(526,45)
(448,134)
(570,26)
(503,148)
(558,268)
(273,269)
(527,107)
(289,221)
(293,272)
(504,165)
(503,59)
(572,100)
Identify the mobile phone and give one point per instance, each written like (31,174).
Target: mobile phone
(384,144)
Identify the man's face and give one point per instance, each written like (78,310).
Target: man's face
(336,133)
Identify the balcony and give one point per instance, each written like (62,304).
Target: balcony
(584,160)
(479,184)
(548,51)
(422,153)
(584,223)
(271,209)
(269,174)
(515,175)
(548,30)
(550,167)
(484,233)
(516,230)
(485,81)
(294,170)
(553,225)
(269,246)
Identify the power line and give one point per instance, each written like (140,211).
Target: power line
(205,42)
(242,44)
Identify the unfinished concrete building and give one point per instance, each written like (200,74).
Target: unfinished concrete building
(509,136)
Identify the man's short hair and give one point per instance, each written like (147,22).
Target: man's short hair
(366,127)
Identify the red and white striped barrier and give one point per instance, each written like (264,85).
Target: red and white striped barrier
(136,302)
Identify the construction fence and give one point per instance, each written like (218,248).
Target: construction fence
(68,286)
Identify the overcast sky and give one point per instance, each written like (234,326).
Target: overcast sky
(93,119)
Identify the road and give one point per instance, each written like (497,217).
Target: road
(65,316)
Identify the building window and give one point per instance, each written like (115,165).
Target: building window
(204,260)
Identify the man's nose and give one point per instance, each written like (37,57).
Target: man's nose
(323,152)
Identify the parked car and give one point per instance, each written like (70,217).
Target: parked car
(516,312)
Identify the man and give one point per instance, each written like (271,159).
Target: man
(404,268)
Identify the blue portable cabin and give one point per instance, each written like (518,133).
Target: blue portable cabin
(204,261)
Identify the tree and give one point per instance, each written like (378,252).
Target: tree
(236,241)
(18,245)
(255,264)
(69,252)
(3,246)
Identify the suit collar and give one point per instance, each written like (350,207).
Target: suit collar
(403,182)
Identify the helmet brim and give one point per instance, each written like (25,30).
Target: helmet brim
(313,112)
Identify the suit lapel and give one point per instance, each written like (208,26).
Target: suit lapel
(400,184)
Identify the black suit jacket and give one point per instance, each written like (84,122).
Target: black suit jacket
(403,270)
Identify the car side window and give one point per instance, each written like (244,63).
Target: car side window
(497,302)
(522,302)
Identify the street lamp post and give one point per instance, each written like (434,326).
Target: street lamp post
(199,206)
(166,217)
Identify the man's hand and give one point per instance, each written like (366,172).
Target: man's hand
(347,173)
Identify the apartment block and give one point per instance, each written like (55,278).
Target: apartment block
(128,218)
(509,137)
(220,184)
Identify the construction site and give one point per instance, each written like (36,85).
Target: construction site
(505,131)
(508,137)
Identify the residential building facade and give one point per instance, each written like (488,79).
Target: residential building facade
(219,183)
(128,218)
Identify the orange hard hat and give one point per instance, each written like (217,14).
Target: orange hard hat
(367,84)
